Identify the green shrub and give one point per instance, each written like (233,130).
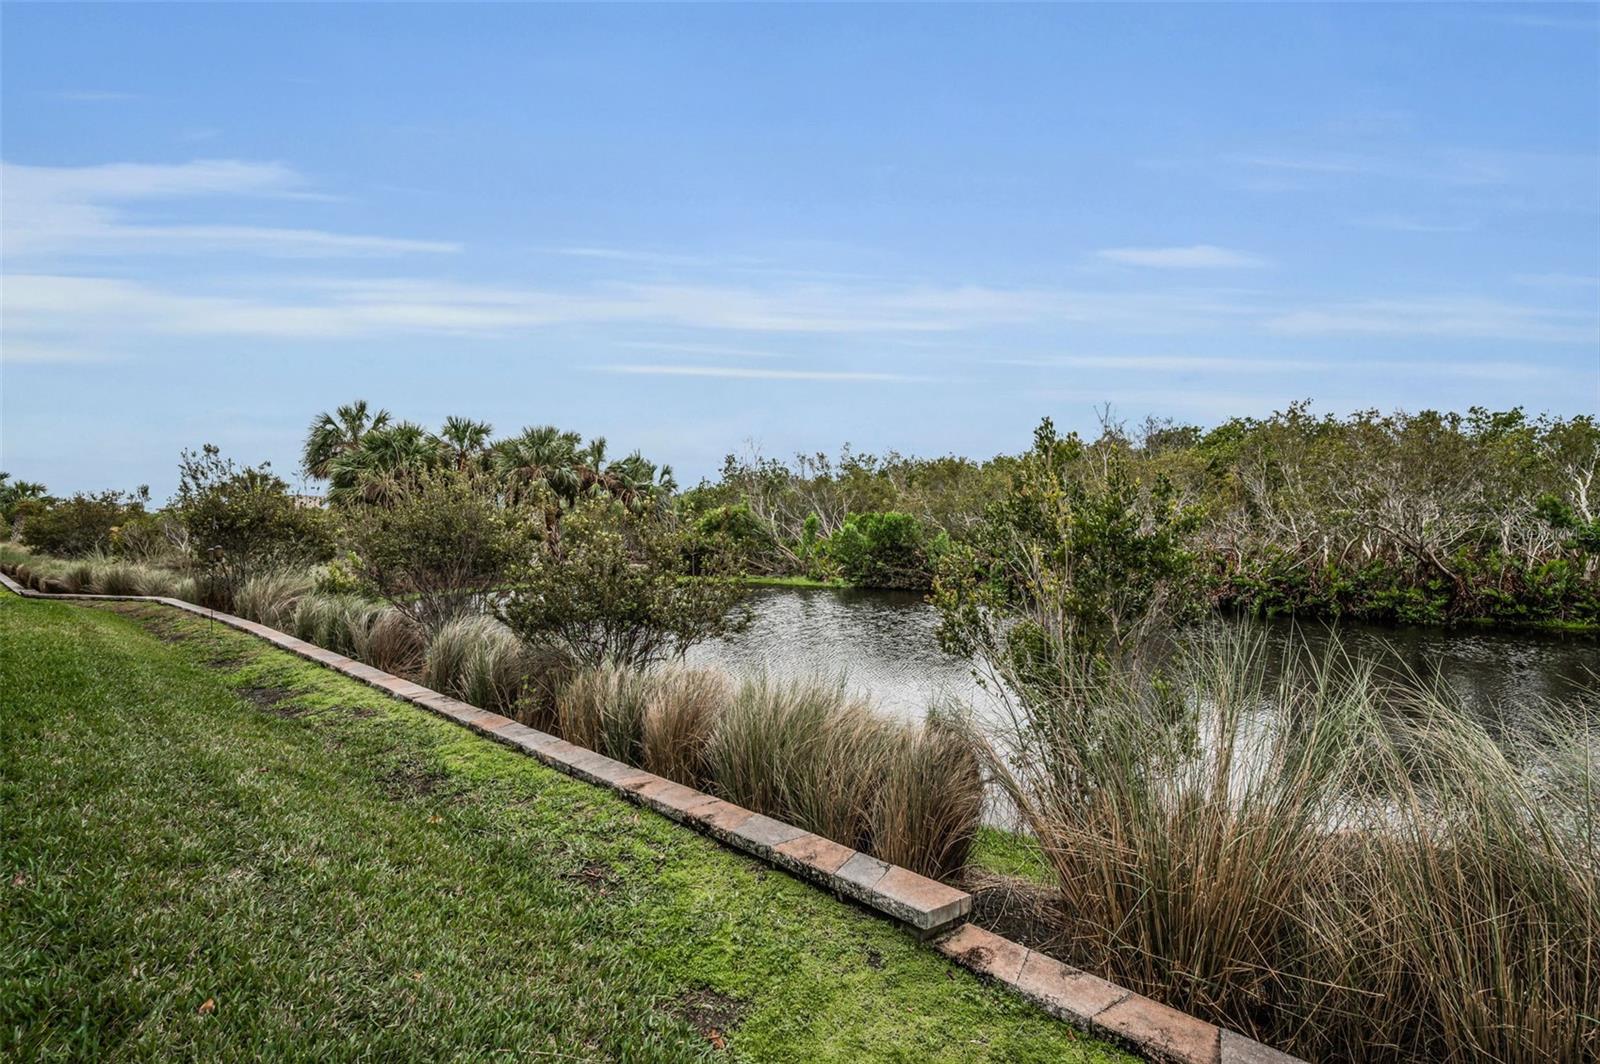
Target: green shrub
(242,522)
(884,550)
(17,497)
(1075,567)
(340,576)
(76,526)
(439,543)
(617,588)
(732,537)
(150,539)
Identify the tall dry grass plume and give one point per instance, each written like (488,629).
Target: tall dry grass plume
(1344,863)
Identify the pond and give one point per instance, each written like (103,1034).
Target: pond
(884,644)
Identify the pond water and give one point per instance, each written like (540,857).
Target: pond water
(884,644)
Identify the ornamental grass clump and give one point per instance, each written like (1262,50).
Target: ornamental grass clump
(549,667)
(603,708)
(807,752)
(270,597)
(803,751)
(78,576)
(478,660)
(681,710)
(124,578)
(810,753)
(154,580)
(334,622)
(391,641)
(1341,862)
(929,803)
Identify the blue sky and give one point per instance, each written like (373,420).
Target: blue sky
(695,230)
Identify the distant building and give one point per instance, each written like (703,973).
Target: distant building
(310,502)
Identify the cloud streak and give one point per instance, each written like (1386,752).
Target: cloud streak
(1192,257)
(751,373)
(61,305)
(95,96)
(65,211)
(1208,364)
(1460,318)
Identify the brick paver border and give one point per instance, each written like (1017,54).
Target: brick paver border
(930,909)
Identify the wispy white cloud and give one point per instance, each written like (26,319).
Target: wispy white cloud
(1324,163)
(59,305)
(1401,223)
(1173,363)
(84,211)
(640,257)
(95,96)
(1534,20)
(340,308)
(1192,257)
(699,349)
(1463,318)
(16,352)
(751,373)
(1558,178)
(1557,280)
(1144,365)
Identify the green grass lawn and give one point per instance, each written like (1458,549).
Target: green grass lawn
(214,850)
(1009,853)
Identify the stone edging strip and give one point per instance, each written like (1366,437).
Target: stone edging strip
(927,907)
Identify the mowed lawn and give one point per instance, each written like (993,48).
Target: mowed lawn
(213,850)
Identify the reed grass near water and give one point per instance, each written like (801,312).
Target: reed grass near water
(1341,862)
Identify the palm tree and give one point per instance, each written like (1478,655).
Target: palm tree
(542,461)
(465,442)
(384,455)
(338,433)
(543,455)
(590,466)
(636,482)
(14,492)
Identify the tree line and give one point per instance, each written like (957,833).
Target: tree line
(1423,517)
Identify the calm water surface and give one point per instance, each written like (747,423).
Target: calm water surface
(884,644)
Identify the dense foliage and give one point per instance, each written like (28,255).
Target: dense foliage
(617,587)
(891,549)
(366,456)
(1401,518)
(17,497)
(243,521)
(436,544)
(1069,569)
(76,526)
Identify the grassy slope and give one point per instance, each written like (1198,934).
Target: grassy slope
(345,876)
